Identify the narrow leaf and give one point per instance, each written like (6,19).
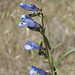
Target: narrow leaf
(55,47)
(64,56)
(46,40)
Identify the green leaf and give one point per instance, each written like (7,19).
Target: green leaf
(55,47)
(64,56)
(46,41)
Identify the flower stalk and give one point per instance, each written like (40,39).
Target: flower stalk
(46,47)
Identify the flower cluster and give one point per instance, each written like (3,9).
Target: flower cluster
(26,19)
(32,25)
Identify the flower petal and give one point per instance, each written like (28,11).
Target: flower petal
(32,72)
(29,42)
(27,47)
(26,7)
(30,22)
(34,7)
(39,70)
(35,46)
(33,67)
(30,7)
(31,45)
(22,24)
(23,17)
(33,12)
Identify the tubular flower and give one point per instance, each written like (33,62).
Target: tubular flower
(36,70)
(30,7)
(31,45)
(29,22)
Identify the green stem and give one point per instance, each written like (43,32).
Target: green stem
(46,47)
(42,16)
(47,54)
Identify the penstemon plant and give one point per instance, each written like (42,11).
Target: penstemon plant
(45,50)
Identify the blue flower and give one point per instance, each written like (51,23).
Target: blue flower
(22,24)
(28,21)
(36,70)
(30,7)
(31,45)
(33,12)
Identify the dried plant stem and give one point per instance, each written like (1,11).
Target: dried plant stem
(6,49)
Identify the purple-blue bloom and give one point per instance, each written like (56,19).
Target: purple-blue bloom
(36,70)
(33,12)
(22,24)
(29,45)
(28,21)
(30,7)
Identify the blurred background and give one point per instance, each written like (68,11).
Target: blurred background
(60,28)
